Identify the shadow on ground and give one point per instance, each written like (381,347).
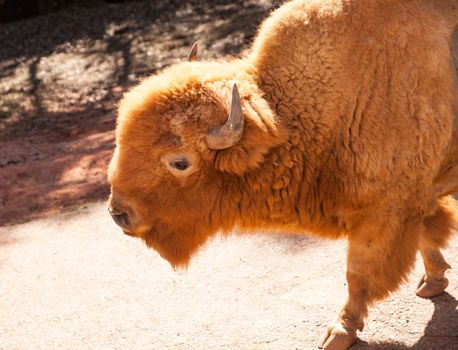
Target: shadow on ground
(62,74)
(444,319)
(81,58)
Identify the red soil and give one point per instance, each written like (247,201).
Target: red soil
(43,173)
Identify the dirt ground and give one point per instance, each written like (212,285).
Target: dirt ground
(74,281)
(62,74)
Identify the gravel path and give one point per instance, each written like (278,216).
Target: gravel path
(73,281)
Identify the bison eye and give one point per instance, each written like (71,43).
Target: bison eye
(179,164)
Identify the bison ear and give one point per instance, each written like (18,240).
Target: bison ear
(193,53)
(261,130)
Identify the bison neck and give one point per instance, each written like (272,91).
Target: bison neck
(295,188)
(283,195)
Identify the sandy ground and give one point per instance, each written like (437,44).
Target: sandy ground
(73,281)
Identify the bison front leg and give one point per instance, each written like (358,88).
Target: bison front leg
(376,265)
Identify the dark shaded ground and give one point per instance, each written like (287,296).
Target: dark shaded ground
(62,74)
(13,10)
(80,59)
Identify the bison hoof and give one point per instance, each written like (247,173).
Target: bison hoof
(430,287)
(337,338)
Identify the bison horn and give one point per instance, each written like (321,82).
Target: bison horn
(193,54)
(230,133)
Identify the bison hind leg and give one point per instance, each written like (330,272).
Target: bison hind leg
(434,281)
(438,229)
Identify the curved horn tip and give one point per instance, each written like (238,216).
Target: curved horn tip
(236,106)
(230,133)
(193,53)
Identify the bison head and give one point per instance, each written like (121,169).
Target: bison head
(185,138)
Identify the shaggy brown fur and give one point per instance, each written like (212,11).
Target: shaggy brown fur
(351,130)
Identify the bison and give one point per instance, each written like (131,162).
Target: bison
(341,121)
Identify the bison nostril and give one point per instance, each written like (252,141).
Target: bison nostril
(121,218)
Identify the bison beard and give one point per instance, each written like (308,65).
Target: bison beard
(176,246)
(341,121)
